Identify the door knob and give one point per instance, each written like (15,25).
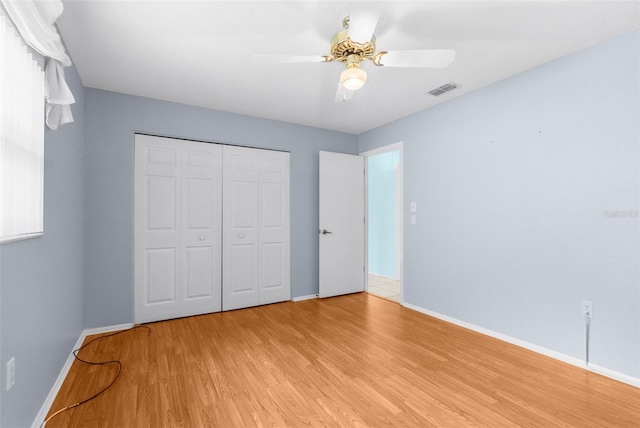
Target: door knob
(202,238)
(325,231)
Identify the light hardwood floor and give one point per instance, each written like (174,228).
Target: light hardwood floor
(352,361)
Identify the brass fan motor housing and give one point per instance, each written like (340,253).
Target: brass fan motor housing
(342,47)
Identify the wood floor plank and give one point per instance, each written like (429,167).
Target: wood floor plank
(350,361)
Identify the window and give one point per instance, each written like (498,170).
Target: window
(21,138)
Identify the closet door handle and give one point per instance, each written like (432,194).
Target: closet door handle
(325,232)
(202,238)
(241,236)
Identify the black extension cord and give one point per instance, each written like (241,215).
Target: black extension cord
(95,363)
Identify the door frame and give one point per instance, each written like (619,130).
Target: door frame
(399,210)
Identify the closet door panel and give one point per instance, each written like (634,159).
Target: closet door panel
(274,227)
(160,284)
(178,189)
(240,257)
(157,229)
(199,207)
(200,279)
(161,201)
(201,228)
(240,290)
(272,272)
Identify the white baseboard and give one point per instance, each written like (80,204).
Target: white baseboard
(384,276)
(614,375)
(42,414)
(530,346)
(108,329)
(301,298)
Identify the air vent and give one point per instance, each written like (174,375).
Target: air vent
(444,88)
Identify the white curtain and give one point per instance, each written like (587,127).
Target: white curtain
(35,21)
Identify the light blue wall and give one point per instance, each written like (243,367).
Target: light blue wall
(41,279)
(113,118)
(381,188)
(512,184)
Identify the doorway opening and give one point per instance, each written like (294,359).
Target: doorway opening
(384,221)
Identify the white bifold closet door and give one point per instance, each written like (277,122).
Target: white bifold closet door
(178,187)
(256,218)
(189,261)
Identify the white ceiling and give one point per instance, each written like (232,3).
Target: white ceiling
(199,53)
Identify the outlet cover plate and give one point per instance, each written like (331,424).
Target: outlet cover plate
(587,309)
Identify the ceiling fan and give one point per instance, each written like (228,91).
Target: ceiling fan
(356,43)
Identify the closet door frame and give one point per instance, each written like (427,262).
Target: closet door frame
(266,240)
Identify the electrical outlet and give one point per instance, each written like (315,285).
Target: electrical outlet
(11,372)
(587,309)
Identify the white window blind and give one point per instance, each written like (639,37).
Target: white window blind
(21,138)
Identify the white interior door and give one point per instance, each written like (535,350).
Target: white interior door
(342,226)
(256,225)
(177,228)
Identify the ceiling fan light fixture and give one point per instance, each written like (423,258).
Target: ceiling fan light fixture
(353,77)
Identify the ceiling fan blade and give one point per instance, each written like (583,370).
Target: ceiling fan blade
(430,58)
(289,59)
(343,94)
(363,20)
